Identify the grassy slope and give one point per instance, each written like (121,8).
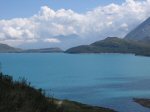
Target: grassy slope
(19,96)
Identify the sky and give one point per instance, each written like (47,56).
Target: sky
(67,23)
(26,8)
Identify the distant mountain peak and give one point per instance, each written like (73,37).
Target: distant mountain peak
(6,48)
(140,32)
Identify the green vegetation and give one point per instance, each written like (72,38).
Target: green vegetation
(114,45)
(19,96)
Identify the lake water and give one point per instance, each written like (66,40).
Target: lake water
(109,80)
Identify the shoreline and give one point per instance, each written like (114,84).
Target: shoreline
(145,102)
(73,106)
(71,53)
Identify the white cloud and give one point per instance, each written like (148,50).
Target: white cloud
(103,21)
(52,40)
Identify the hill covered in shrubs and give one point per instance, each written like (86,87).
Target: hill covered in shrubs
(20,96)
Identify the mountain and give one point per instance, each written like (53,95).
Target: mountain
(43,50)
(4,48)
(141,32)
(113,45)
(137,42)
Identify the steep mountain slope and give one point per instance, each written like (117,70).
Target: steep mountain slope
(141,32)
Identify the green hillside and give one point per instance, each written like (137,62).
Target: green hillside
(113,45)
(19,96)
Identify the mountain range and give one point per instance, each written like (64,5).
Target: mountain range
(4,48)
(42,50)
(113,45)
(136,42)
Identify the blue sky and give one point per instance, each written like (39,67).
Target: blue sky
(26,8)
(68,23)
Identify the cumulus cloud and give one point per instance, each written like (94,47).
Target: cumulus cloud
(103,21)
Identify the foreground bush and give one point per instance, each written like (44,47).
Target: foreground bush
(19,96)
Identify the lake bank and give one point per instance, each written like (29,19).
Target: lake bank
(143,102)
(73,106)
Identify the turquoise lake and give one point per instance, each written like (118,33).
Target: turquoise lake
(108,80)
